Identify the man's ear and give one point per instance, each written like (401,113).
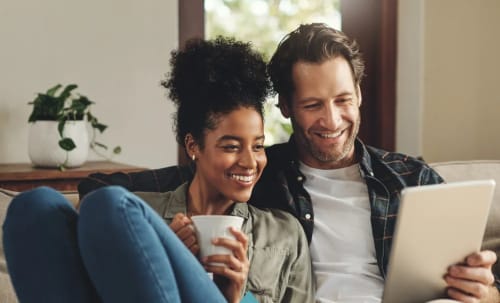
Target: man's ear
(284,107)
(360,98)
(191,146)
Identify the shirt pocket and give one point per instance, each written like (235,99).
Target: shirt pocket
(269,271)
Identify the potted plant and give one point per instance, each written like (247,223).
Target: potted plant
(58,134)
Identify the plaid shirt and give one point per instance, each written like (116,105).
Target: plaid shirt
(385,173)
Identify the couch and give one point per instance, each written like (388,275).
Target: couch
(450,171)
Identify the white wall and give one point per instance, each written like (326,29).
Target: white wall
(462,100)
(117,51)
(448,101)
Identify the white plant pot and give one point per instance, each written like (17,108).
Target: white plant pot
(43,144)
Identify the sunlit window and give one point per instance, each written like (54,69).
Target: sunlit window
(264,23)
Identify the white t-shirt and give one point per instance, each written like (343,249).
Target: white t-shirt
(342,246)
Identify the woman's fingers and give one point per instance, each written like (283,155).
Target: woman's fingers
(184,229)
(227,266)
(240,236)
(179,221)
(195,249)
(232,266)
(186,232)
(239,246)
(220,260)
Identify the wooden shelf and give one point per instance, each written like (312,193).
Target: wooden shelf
(23,176)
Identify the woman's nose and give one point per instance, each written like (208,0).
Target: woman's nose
(247,159)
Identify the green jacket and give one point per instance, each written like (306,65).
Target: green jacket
(280,265)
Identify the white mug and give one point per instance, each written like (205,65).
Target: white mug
(209,227)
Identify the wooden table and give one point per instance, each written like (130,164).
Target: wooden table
(23,176)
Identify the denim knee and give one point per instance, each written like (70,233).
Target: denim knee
(103,201)
(37,200)
(103,206)
(36,204)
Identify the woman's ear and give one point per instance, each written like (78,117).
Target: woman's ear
(191,146)
(283,105)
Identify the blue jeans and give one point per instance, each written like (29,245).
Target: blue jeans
(116,250)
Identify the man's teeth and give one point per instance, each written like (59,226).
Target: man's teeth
(331,135)
(242,178)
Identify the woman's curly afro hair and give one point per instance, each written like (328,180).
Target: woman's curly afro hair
(212,78)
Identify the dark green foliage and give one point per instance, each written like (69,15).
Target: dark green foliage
(62,107)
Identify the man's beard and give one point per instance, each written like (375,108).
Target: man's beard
(333,155)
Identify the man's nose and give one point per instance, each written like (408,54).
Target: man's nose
(331,117)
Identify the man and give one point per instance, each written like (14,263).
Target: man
(353,188)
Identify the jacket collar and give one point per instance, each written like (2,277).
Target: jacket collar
(177,204)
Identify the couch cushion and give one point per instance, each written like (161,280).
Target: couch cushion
(455,171)
(7,293)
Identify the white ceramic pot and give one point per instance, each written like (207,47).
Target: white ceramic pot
(43,144)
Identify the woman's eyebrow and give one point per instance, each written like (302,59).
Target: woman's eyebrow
(236,138)
(229,137)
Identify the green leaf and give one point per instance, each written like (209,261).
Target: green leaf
(51,91)
(36,109)
(60,127)
(67,92)
(101,145)
(117,150)
(45,107)
(67,144)
(101,127)
(80,105)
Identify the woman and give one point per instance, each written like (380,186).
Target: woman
(119,250)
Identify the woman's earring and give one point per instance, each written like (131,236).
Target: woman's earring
(193,157)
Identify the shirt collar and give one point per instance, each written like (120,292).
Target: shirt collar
(364,158)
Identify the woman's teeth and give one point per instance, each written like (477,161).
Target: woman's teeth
(242,178)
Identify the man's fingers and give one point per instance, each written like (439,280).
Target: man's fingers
(460,296)
(474,289)
(484,258)
(474,274)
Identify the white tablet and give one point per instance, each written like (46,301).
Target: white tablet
(437,226)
